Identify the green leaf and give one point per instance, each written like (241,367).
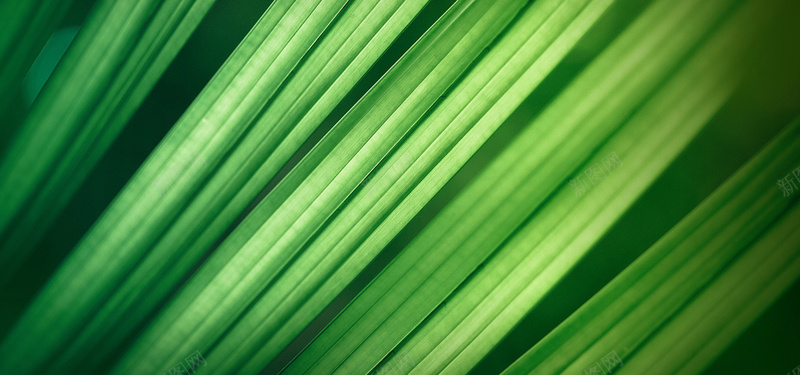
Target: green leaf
(401,97)
(457,241)
(490,303)
(123,235)
(714,319)
(341,57)
(25,27)
(112,64)
(629,312)
(486,150)
(485,97)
